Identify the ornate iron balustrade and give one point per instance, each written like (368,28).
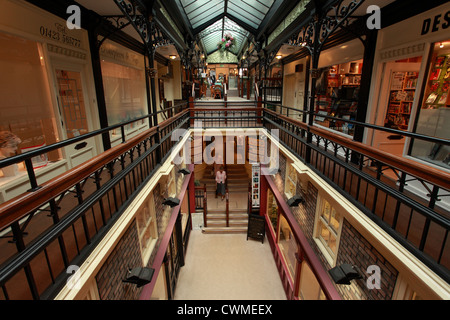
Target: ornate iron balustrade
(377,183)
(79,207)
(62,220)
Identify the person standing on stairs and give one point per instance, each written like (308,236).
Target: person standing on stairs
(221,177)
(217,164)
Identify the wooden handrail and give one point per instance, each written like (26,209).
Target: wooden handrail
(422,171)
(308,253)
(227,207)
(18,207)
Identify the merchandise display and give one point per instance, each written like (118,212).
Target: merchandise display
(337,93)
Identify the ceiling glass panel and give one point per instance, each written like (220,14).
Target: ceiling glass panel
(246,12)
(214,33)
(201,11)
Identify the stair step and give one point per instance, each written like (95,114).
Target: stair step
(224,230)
(231,216)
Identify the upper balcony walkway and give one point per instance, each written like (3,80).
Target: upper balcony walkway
(59,222)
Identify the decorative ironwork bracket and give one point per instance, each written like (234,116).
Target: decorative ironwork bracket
(147,29)
(314,34)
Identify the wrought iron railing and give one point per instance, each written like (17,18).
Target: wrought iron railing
(58,223)
(361,174)
(70,214)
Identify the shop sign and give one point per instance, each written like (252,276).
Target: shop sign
(60,33)
(439,22)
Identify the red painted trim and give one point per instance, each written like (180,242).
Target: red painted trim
(308,253)
(158,262)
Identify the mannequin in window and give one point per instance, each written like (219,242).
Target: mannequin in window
(8,146)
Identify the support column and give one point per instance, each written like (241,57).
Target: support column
(98,81)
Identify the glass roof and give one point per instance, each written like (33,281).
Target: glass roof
(236,15)
(214,33)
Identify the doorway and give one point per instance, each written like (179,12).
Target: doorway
(395,105)
(74,112)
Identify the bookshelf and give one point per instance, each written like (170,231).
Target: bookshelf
(401,97)
(340,97)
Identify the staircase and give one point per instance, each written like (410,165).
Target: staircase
(216,219)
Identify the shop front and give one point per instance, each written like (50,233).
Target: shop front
(409,91)
(338,85)
(47,94)
(410,86)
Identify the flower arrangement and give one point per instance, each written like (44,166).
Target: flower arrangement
(227,43)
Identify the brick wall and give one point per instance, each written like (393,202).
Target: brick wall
(125,255)
(353,247)
(127,252)
(356,250)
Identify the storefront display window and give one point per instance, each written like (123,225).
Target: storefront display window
(272,209)
(146,226)
(26,108)
(434,113)
(337,91)
(124,84)
(288,245)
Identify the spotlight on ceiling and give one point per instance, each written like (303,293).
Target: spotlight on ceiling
(172,202)
(344,273)
(295,201)
(279,56)
(173,57)
(139,276)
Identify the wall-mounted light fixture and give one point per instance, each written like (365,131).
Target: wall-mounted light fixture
(172,202)
(279,56)
(344,273)
(184,171)
(139,276)
(295,201)
(173,57)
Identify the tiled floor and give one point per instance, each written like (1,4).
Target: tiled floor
(228,267)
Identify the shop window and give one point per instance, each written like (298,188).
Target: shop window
(272,209)
(27,118)
(123,75)
(337,92)
(146,226)
(309,286)
(288,245)
(171,183)
(434,114)
(290,181)
(327,229)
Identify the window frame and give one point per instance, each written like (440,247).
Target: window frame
(320,221)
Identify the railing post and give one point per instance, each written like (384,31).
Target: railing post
(227,206)
(225,99)
(259,110)
(191,110)
(205,207)
(31,175)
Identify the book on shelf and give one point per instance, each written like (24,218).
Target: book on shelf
(435,74)
(431,98)
(443,98)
